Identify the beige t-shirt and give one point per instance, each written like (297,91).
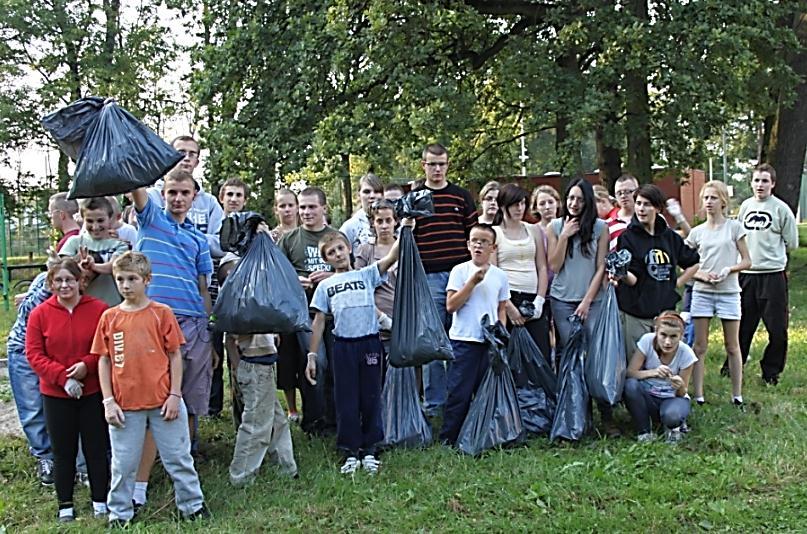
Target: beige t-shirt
(718,249)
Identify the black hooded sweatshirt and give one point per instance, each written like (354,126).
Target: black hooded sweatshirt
(654,261)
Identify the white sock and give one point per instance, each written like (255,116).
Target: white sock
(699,399)
(99,507)
(738,398)
(139,496)
(66,512)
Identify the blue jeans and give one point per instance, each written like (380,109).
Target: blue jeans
(643,407)
(25,387)
(434,373)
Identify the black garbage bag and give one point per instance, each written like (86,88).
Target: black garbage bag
(606,364)
(405,424)
(262,294)
(238,230)
(418,336)
(493,419)
(415,204)
(536,383)
(573,412)
(617,262)
(69,125)
(120,154)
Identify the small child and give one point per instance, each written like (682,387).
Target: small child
(474,288)
(140,370)
(357,353)
(94,242)
(264,426)
(658,377)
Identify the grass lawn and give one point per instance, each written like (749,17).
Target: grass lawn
(740,472)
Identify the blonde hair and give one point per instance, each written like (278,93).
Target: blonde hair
(328,239)
(546,189)
(722,193)
(132,262)
(487,188)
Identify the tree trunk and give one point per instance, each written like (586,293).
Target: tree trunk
(111,30)
(62,178)
(637,108)
(347,189)
(566,147)
(609,160)
(788,140)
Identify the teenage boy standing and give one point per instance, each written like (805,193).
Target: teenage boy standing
(771,234)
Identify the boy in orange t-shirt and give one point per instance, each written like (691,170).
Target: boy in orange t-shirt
(140,370)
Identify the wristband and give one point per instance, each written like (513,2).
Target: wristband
(314,354)
(108,400)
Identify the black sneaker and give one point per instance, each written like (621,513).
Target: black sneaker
(738,404)
(44,470)
(66,517)
(118,523)
(201,513)
(136,507)
(770,380)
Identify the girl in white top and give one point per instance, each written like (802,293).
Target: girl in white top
(719,242)
(520,254)
(487,198)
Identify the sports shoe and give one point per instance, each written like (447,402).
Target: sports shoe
(350,466)
(83,479)
(44,470)
(770,380)
(294,417)
(371,464)
(66,515)
(673,435)
(647,437)
(738,404)
(611,430)
(118,523)
(201,513)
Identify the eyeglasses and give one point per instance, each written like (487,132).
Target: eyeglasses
(434,164)
(625,192)
(65,281)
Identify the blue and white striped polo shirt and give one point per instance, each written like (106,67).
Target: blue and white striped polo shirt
(179,253)
(37,293)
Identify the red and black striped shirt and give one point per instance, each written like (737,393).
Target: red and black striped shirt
(442,238)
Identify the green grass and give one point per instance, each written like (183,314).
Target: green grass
(739,472)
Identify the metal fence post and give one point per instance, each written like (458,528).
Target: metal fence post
(3,250)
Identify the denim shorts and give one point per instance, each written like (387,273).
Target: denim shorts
(725,306)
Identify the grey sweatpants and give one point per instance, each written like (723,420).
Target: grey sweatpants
(264,426)
(174,444)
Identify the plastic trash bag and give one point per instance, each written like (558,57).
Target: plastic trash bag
(415,204)
(262,294)
(536,383)
(493,419)
(405,424)
(573,412)
(617,262)
(606,364)
(418,336)
(238,230)
(69,125)
(120,154)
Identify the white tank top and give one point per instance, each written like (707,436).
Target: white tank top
(516,257)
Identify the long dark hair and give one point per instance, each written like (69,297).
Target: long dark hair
(509,195)
(587,217)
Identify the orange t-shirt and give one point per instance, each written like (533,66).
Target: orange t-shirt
(138,344)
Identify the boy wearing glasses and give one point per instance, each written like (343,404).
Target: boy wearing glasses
(475,288)
(624,188)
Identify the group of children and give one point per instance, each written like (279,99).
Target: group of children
(144,366)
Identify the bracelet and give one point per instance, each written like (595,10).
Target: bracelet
(175,395)
(108,400)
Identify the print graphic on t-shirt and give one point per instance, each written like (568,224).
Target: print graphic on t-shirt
(313,261)
(658,264)
(757,220)
(347,286)
(199,220)
(117,344)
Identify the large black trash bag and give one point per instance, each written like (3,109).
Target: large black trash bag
(405,424)
(69,125)
(120,154)
(415,204)
(493,419)
(418,336)
(606,364)
(536,383)
(238,230)
(573,412)
(262,294)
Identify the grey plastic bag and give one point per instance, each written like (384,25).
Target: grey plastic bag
(573,413)
(606,364)
(405,424)
(536,384)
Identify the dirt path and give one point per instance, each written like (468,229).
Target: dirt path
(9,422)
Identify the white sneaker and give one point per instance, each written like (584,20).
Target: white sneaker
(371,464)
(350,466)
(673,435)
(646,437)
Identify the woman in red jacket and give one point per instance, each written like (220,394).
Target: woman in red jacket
(57,342)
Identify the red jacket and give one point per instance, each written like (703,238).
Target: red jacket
(56,339)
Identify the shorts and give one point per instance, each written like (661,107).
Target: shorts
(725,306)
(197,364)
(289,360)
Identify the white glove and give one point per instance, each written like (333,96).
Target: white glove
(686,316)
(73,388)
(674,208)
(723,274)
(385,322)
(539,306)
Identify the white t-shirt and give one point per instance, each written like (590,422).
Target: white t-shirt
(350,297)
(484,299)
(718,249)
(684,358)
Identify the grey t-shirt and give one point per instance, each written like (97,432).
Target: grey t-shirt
(684,358)
(571,283)
(349,297)
(717,248)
